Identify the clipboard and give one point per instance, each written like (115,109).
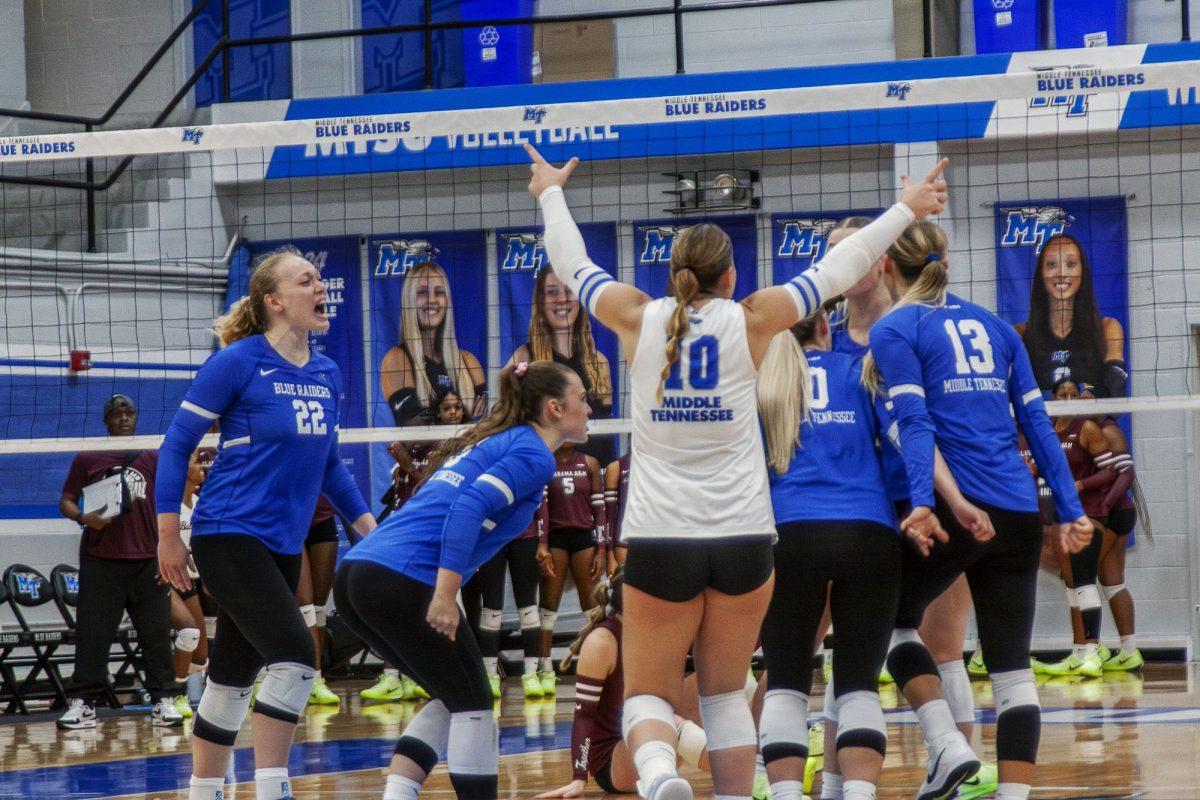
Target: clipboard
(104,493)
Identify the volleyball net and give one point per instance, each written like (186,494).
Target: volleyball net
(415,209)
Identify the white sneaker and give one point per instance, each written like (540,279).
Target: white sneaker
(667,787)
(951,761)
(81,714)
(165,715)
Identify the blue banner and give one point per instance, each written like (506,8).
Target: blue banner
(652,240)
(259,72)
(520,256)
(799,239)
(396,62)
(462,257)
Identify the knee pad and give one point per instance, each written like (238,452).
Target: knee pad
(321,616)
(197,668)
(426,738)
(861,722)
(783,726)
(1110,592)
(548,618)
(187,639)
(489,619)
(222,709)
(530,618)
(750,687)
(690,742)
(908,657)
(210,627)
(1087,596)
(473,747)
(956,689)
(1018,715)
(830,711)
(1072,598)
(727,721)
(309,612)
(284,691)
(643,707)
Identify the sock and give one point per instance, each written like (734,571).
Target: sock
(956,690)
(760,768)
(858,790)
(1012,791)
(1089,649)
(492,664)
(1129,643)
(936,720)
(787,790)
(205,788)
(195,687)
(652,759)
(272,783)
(531,665)
(546,665)
(316,675)
(831,786)
(399,787)
(391,672)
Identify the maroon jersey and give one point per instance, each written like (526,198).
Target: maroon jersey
(132,534)
(1094,482)
(406,484)
(322,512)
(540,522)
(571,493)
(597,727)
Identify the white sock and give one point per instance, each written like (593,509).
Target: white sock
(205,788)
(531,665)
(652,759)
(391,672)
(272,783)
(831,786)
(760,767)
(1129,643)
(787,790)
(316,674)
(546,665)
(1089,649)
(858,790)
(936,720)
(492,664)
(399,787)
(195,687)
(1012,791)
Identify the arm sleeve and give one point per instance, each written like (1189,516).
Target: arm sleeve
(901,368)
(338,485)
(845,264)
(599,517)
(1098,480)
(567,251)
(542,518)
(1115,377)
(587,701)
(610,515)
(1123,464)
(1030,411)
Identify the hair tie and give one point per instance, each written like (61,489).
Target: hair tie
(932,257)
(521,368)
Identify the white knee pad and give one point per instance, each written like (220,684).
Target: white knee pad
(548,618)
(1072,598)
(783,726)
(195,668)
(431,726)
(830,711)
(1013,689)
(321,616)
(861,721)
(1088,597)
(210,627)
(727,721)
(187,639)
(1110,592)
(489,619)
(956,689)
(284,691)
(690,742)
(309,612)
(904,636)
(643,707)
(474,743)
(529,617)
(751,686)
(222,709)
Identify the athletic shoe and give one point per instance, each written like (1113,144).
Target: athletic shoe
(1104,653)
(494,680)
(975,667)
(412,690)
(1124,661)
(951,761)
(984,781)
(321,695)
(1038,667)
(388,688)
(885,677)
(81,714)
(1089,667)
(827,667)
(762,787)
(810,774)
(816,739)
(164,715)
(531,685)
(667,787)
(549,681)
(183,706)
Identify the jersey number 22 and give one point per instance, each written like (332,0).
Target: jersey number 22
(310,417)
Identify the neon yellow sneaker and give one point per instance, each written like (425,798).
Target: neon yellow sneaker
(827,667)
(762,787)
(976,668)
(321,695)
(410,690)
(549,682)
(982,782)
(531,685)
(1089,667)
(494,680)
(885,677)
(388,688)
(1124,661)
(183,706)
(816,755)
(1038,667)
(1104,653)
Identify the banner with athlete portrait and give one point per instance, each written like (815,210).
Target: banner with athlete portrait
(800,239)
(653,238)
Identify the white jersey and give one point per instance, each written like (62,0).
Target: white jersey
(697,468)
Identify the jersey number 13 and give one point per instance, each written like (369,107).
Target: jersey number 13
(979,360)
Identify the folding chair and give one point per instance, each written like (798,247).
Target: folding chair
(10,688)
(28,588)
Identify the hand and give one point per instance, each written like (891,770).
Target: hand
(546,174)
(599,561)
(927,197)
(545,561)
(923,528)
(572,789)
(1074,536)
(173,560)
(443,616)
(612,562)
(93,520)
(401,456)
(973,519)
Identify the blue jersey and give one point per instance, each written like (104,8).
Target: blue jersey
(957,375)
(476,503)
(278,448)
(836,472)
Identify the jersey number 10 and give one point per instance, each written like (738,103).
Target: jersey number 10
(704,363)
(310,418)
(980,360)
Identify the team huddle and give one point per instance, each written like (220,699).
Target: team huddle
(787,456)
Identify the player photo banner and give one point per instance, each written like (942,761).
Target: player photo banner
(653,239)
(520,258)
(800,239)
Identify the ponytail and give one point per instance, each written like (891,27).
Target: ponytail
(607,595)
(248,316)
(785,391)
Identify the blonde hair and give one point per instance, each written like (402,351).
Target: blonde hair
(918,255)
(446,340)
(248,316)
(785,391)
(700,255)
(607,595)
(541,339)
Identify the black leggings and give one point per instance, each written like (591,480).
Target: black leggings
(259,621)
(862,560)
(520,559)
(1002,574)
(386,609)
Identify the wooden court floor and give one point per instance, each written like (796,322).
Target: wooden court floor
(1114,737)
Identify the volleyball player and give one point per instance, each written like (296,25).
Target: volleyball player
(396,589)
(616,492)
(954,370)
(698,521)
(575,539)
(318,559)
(277,403)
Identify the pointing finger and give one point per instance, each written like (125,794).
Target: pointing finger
(933,173)
(534,154)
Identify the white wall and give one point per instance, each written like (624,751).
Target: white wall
(12,56)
